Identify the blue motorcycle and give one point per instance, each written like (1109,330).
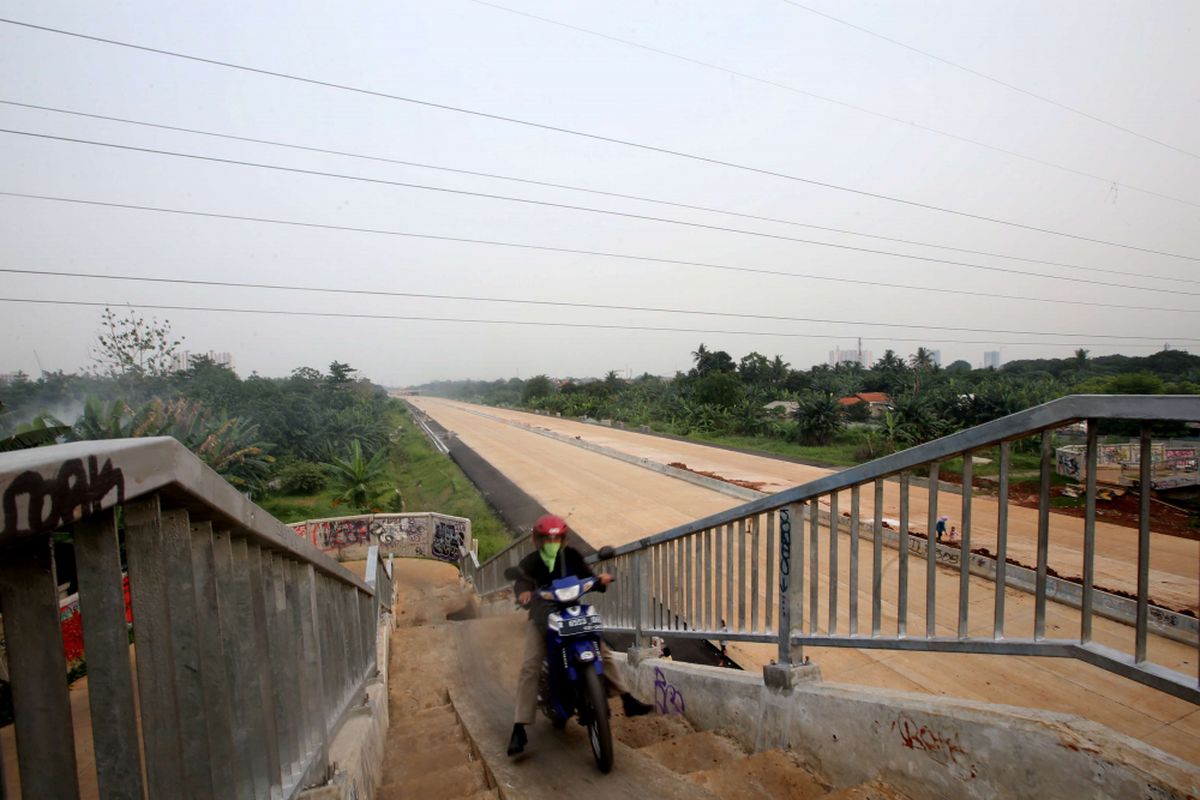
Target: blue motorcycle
(572,682)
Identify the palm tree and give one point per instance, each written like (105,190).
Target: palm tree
(916,418)
(819,418)
(358,479)
(889,363)
(921,362)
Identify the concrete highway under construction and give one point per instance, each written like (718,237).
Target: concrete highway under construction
(609,501)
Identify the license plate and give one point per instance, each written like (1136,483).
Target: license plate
(581,624)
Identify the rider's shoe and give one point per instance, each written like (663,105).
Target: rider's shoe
(518,741)
(634,707)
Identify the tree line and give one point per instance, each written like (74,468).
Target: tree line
(720,396)
(300,434)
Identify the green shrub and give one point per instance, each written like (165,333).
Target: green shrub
(302,478)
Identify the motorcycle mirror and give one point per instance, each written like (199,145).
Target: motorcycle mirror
(512,573)
(606,553)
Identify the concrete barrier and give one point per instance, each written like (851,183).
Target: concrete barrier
(357,748)
(923,745)
(413,535)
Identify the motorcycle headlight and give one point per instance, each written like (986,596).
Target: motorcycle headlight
(567,594)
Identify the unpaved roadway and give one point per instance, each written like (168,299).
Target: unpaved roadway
(1173,561)
(613,502)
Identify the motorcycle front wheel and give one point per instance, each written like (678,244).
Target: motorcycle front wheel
(599,732)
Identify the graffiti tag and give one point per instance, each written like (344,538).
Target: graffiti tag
(53,502)
(667,699)
(346,533)
(944,750)
(785,549)
(448,539)
(1068,465)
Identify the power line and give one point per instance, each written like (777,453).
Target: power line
(993,79)
(834,101)
(558,304)
(600,192)
(598,253)
(597,137)
(531,323)
(592,210)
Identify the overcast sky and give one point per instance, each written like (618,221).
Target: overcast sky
(1130,64)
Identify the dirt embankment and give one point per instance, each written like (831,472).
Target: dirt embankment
(755,485)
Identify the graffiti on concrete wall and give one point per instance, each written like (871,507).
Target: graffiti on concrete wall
(347,533)
(1068,464)
(449,538)
(49,503)
(667,699)
(403,535)
(1181,460)
(942,748)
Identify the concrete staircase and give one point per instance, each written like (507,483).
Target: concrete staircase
(427,754)
(725,770)
(432,758)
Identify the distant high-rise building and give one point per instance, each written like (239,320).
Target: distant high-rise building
(181,361)
(856,356)
(991,359)
(936,357)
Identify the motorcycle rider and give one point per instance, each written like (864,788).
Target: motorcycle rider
(551,559)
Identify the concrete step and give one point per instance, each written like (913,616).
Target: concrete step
(404,702)
(404,764)
(694,752)
(771,775)
(422,741)
(462,780)
(642,731)
(875,790)
(433,716)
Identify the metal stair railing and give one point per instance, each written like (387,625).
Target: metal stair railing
(740,575)
(252,645)
(488,578)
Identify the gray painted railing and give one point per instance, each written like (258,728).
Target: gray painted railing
(251,644)
(488,577)
(741,575)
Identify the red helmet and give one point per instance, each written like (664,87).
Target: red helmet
(550,526)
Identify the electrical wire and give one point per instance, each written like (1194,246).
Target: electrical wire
(570,187)
(908,123)
(584,252)
(592,210)
(992,79)
(531,323)
(596,137)
(559,304)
